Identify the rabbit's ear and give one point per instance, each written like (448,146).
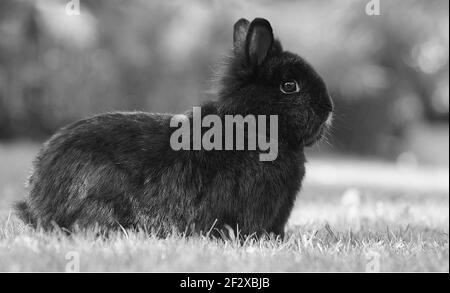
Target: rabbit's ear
(239,34)
(259,41)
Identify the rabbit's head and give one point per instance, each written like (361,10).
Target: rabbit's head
(263,79)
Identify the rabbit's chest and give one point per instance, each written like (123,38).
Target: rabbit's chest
(257,193)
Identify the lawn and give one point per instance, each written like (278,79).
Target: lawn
(350,216)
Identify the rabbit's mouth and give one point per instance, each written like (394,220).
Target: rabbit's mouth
(311,140)
(318,134)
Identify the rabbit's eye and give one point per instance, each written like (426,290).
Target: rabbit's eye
(289,87)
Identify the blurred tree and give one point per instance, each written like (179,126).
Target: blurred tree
(386,73)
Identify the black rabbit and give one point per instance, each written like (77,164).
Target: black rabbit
(120,169)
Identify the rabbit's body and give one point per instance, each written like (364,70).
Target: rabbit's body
(95,174)
(120,169)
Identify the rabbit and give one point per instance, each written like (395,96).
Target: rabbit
(118,170)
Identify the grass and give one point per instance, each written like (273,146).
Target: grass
(332,228)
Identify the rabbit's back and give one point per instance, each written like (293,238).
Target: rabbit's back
(89,171)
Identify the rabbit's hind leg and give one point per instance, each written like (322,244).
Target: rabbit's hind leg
(104,214)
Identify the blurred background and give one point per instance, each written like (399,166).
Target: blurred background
(385,166)
(388,74)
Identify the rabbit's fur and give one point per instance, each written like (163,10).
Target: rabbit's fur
(119,168)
